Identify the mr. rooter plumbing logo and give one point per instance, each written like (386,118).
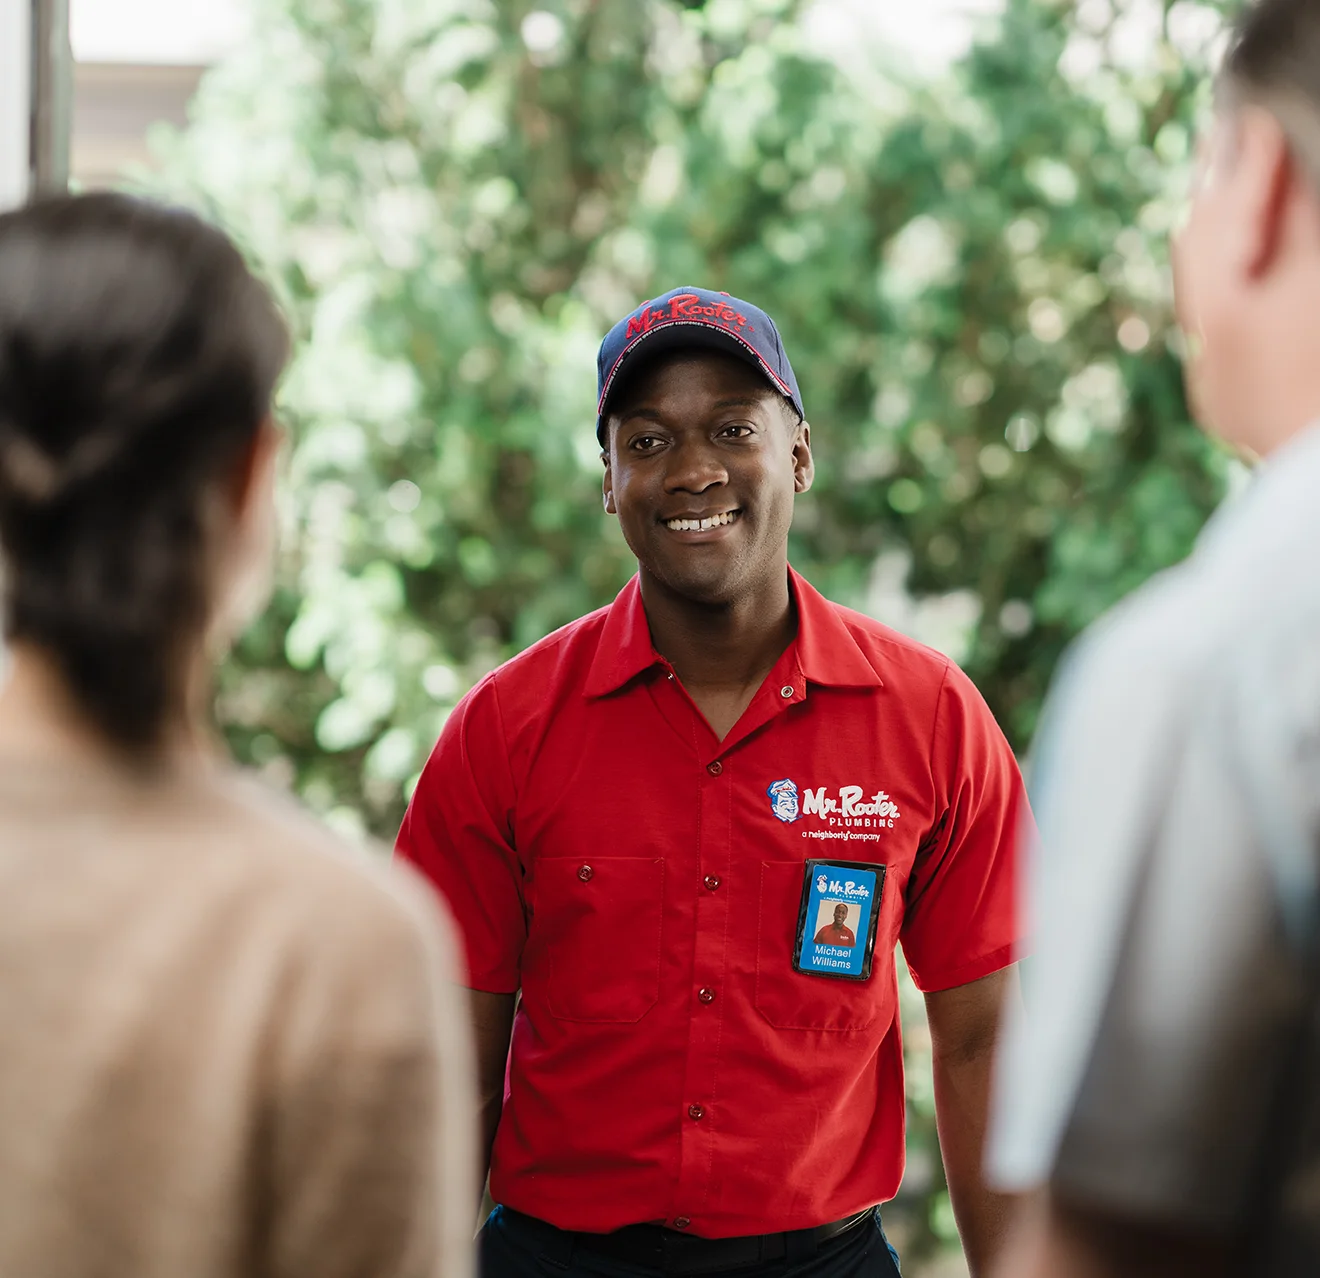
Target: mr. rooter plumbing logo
(847,807)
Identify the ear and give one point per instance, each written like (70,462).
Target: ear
(253,476)
(247,570)
(1267,180)
(804,468)
(608,484)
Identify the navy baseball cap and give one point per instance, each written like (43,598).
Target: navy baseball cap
(695,317)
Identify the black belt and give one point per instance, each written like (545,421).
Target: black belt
(672,1252)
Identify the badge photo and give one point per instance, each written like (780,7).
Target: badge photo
(838,918)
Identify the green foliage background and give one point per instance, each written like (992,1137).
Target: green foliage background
(456,198)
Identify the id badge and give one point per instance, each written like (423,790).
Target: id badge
(838,919)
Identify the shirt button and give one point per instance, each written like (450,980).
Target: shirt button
(786,691)
(715,768)
(585,873)
(695,1112)
(682,1222)
(706,996)
(712,881)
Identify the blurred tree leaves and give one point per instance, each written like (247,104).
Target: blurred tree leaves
(456,198)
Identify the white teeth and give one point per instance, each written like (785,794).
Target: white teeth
(701,525)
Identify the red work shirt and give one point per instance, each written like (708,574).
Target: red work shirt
(641,883)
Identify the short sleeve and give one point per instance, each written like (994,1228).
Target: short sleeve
(1190,998)
(960,919)
(458,831)
(1100,762)
(1174,1100)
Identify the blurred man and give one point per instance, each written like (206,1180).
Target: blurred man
(635,818)
(1162,1088)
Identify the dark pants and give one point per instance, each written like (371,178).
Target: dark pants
(512,1249)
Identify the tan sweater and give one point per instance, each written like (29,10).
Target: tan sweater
(229,1045)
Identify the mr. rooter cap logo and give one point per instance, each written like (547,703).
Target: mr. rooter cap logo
(689,307)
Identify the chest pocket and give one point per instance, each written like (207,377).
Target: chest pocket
(796,1000)
(593,947)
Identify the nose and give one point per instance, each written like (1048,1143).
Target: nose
(694,467)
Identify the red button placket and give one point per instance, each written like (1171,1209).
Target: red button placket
(714,887)
(699,1115)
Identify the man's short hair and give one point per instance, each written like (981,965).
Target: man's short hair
(1274,62)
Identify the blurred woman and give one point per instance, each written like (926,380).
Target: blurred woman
(228,1045)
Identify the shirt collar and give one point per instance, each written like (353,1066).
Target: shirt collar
(827,653)
(624,649)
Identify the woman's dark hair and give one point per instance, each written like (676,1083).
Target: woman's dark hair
(138,357)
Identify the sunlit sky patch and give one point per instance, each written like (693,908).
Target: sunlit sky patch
(927,35)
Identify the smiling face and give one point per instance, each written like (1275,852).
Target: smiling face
(703,462)
(840,915)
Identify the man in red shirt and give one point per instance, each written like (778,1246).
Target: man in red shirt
(634,819)
(838,932)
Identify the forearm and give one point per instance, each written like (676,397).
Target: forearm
(491,1108)
(961,1100)
(964,1025)
(492,1023)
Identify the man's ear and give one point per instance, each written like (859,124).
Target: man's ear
(1267,178)
(804,467)
(608,484)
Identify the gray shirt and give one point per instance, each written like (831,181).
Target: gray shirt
(1178,798)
